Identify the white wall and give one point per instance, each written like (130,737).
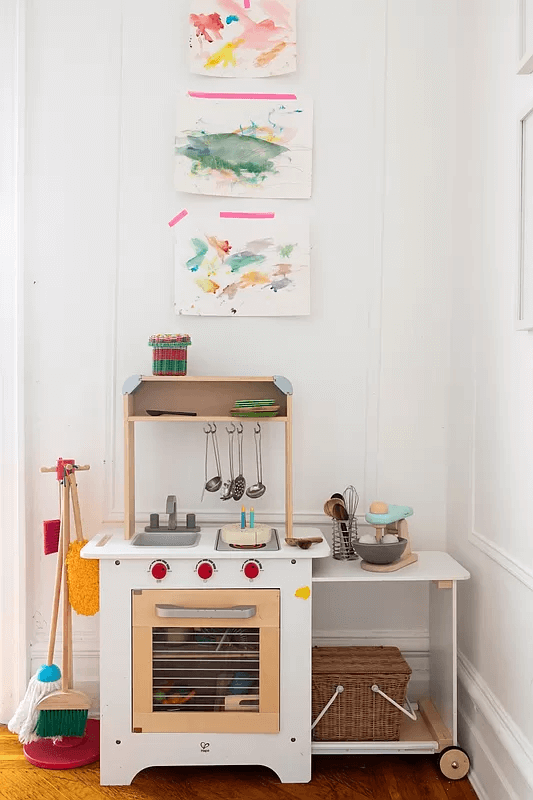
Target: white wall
(491,438)
(102,83)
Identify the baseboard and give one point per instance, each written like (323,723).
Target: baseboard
(410,641)
(502,755)
(477,786)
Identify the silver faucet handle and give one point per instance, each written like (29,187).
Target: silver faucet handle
(171,504)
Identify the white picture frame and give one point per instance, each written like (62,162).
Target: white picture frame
(524,295)
(525,37)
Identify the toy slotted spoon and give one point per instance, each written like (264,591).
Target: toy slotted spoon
(239,484)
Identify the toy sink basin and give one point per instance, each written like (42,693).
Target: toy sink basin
(379,553)
(166,540)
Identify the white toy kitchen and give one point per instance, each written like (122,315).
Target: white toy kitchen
(206,634)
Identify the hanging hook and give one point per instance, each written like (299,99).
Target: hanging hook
(233,429)
(258,429)
(240,427)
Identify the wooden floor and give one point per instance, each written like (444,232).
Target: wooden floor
(334,777)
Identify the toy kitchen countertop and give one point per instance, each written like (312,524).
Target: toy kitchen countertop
(110,544)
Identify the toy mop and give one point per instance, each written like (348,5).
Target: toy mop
(390,548)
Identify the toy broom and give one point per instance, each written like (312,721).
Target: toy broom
(47,678)
(64,712)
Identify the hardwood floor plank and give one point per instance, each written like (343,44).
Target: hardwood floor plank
(368,777)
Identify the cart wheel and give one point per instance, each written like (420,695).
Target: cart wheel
(454,763)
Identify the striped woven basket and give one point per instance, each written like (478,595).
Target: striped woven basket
(169,353)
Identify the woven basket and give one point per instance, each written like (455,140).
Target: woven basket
(359,714)
(169,353)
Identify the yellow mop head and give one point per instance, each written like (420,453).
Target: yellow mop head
(83,580)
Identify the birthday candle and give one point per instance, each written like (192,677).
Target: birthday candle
(252,518)
(243,518)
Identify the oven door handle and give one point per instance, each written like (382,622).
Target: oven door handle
(235,612)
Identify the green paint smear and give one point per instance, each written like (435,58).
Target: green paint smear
(240,260)
(286,250)
(248,157)
(201,249)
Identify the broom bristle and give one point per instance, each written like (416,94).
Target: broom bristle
(61,722)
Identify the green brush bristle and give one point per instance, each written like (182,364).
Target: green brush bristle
(61,722)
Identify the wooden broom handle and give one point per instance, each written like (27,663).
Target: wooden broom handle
(55,604)
(66,610)
(75,504)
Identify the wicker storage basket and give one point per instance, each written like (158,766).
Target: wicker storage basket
(359,714)
(169,353)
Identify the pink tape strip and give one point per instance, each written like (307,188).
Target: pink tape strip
(177,218)
(246,215)
(231,96)
(247,3)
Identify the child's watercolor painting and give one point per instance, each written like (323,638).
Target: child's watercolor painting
(244,147)
(229,40)
(242,267)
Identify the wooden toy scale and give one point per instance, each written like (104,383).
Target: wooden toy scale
(393,520)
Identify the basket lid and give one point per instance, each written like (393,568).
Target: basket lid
(166,339)
(359,660)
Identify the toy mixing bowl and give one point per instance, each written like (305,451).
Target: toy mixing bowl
(379,553)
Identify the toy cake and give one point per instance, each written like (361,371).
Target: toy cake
(234,534)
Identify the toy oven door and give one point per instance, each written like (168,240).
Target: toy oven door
(206,660)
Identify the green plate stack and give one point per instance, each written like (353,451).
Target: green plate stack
(255,408)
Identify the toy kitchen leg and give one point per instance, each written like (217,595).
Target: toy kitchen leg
(124,752)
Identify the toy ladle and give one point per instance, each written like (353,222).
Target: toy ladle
(213,484)
(259,488)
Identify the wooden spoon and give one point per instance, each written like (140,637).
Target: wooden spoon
(340,513)
(304,543)
(330,504)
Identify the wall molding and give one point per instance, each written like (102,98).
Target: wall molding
(13,579)
(503,558)
(511,738)
(412,642)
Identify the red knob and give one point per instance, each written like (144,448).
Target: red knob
(204,570)
(159,570)
(251,569)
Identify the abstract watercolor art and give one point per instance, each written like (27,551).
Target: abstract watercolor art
(228,40)
(238,147)
(242,267)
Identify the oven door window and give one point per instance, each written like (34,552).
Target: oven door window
(205,669)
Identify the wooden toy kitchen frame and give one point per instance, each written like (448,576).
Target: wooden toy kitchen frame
(249,667)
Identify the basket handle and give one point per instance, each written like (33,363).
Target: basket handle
(411,714)
(339,690)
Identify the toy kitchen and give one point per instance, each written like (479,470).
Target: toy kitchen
(206,633)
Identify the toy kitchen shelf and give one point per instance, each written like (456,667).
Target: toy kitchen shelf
(212,399)
(435,728)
